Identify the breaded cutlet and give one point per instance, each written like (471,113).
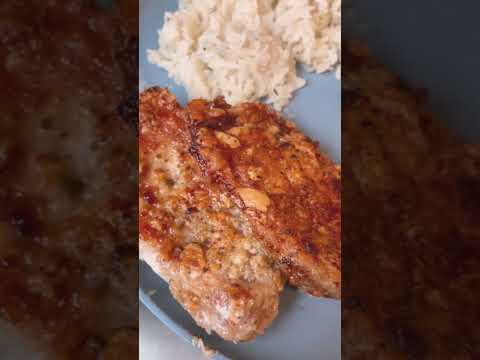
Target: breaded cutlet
(194,236)
(283,184)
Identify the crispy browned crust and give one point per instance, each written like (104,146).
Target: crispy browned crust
(411,195)
(289,191)
(194,236)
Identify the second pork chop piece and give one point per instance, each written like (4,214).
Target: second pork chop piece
(289,191)
(194,236)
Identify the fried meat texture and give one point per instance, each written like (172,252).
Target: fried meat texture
(277,177)
(194,236)
(411,195)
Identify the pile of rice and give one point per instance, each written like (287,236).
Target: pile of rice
(248,50)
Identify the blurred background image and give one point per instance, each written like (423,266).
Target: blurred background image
(68,188)
(411,180)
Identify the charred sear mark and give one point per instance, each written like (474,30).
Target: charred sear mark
(194,151)
(220,124)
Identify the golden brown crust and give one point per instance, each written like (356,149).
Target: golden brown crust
(289,191)
(194,236)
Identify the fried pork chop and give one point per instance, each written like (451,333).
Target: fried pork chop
(278,178)
(411,195)
(194,236)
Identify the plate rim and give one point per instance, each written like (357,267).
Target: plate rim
(172,325)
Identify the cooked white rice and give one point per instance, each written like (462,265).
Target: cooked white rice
(247,50)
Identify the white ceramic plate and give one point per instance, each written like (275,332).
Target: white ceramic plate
(307,328)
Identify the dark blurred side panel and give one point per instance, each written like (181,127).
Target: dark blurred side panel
(68,179)
(410,204)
